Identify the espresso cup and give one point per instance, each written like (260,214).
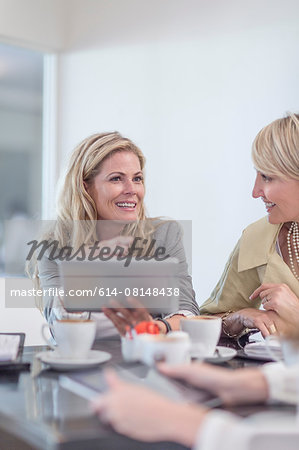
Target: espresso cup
(74,338)
(172,348)
(204,332)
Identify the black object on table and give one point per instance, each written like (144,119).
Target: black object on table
(17,364)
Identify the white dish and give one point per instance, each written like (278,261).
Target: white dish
(53,359)
(221,355)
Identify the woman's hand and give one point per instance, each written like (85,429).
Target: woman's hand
(267,322)
(281,299)
(123,317)
(142,414)
(201,375)
(233,387)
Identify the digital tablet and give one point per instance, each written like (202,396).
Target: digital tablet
(92,285)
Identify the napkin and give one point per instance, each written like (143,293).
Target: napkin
(9,347)
(260,350)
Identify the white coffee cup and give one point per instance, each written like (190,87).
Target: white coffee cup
(74,338)
(172,348)
(289,349)
(204,332)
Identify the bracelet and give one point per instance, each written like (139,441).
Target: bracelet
(224,324)
(167,324)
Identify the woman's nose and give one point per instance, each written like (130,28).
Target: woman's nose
(257,190)
(129,187)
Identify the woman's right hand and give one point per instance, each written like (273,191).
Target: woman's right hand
(142,414)
(281,299)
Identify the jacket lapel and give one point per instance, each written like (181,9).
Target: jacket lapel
(258,250)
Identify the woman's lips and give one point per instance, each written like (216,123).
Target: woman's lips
(269,205)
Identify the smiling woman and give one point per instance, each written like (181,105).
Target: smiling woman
(101,207)
(264,266)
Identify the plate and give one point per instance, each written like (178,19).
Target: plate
(223,354)
(53,359)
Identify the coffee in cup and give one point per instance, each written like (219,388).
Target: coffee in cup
(74,338)
(204,332)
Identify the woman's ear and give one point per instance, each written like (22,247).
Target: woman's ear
(86,186)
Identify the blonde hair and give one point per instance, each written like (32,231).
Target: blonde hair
(275,150)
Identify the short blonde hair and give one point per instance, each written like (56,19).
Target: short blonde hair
(275,150)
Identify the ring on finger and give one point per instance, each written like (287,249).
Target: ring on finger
(272,328)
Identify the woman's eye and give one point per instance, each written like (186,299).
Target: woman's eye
(266,178)
(138,179)
(116,178)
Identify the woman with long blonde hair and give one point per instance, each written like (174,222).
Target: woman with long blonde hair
(102,201)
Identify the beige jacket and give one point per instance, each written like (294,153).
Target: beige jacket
(253,261)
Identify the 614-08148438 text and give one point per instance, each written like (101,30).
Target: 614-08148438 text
(140,292)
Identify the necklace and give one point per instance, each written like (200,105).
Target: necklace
(294,230)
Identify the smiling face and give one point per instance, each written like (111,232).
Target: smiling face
(280,195)
(118,188)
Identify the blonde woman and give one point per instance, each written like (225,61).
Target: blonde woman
(102,201)
(264,266)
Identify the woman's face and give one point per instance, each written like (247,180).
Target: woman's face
(118,188)
(281,197)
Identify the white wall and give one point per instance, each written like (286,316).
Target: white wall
(191,82)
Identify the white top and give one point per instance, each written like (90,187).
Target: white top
(225,431)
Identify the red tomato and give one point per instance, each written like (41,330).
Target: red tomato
(147,327)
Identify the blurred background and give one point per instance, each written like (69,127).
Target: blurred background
(190,81)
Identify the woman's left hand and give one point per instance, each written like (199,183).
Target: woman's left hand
(281,299)
(142,414)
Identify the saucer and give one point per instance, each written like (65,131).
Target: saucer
(223,354)
(53,359)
